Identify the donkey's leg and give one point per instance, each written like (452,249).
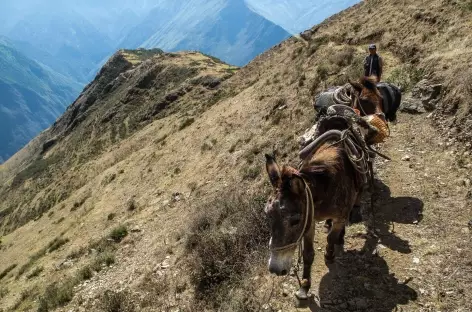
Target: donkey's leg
(327,225)
(355,215)
(308,257)
(335,237)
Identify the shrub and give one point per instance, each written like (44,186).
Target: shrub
(251,172)
(57,243)
(322,71)
(35,272)
(187,122)
(3,292)
(7,270)
(85,273)
(118,233)
(131,204)
(343,58)
(228,233)
(405,77)
(108,179)
(57,295)
(106,258)
(117,301)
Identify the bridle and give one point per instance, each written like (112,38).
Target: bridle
(309,211)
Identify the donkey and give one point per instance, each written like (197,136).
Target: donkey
(326,187)
(382,98)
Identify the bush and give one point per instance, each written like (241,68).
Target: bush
(118,233)
(3,292)
(251,172)
(322,71)
(187,122)
(106,258)
(117,301)
(35,272)
(108,179)
(57,243)
(57,295)
(228,233)
(85,273)
(405,77)
(343,58)
(7,270)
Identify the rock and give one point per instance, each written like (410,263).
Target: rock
(406,158)
(466,182)
(412,106)
(469,224)
(428,93)
(424,98)
(416,260)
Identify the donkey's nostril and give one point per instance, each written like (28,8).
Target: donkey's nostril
(284,272)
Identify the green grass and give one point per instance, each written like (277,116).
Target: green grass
(118,233)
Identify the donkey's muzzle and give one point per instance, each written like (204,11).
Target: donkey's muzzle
(279,264)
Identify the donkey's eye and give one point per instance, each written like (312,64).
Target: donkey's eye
(295,219)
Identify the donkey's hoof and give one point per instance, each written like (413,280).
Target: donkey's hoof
(302,294)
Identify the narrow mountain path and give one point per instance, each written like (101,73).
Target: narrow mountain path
(421,259)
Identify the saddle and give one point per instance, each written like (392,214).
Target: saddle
(342,125)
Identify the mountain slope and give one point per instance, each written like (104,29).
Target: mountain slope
(149,191)
(32,98)
(227,29)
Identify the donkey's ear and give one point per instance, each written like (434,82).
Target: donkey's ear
(273,171)
(356,85)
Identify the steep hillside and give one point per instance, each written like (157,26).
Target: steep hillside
(227,29)
(32,97)
(147,194)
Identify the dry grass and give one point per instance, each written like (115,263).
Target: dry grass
(227,235)
(149,150)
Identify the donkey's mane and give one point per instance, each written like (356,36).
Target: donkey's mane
(369,82)
(327,159)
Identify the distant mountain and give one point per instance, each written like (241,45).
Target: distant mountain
(66,37)
(31,98)
(297,16)
(227,29)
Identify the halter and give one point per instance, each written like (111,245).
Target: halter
(309,204)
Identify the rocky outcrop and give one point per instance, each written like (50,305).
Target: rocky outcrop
(424,98)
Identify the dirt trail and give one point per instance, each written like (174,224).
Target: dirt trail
(425,264)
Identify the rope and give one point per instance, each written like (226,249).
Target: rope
(340,95)
(309,204)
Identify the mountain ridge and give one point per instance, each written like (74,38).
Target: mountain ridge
(160,185)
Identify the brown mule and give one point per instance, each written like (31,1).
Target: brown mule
(325,188)
(368,99)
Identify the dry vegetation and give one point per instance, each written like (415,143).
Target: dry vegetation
(147,194)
